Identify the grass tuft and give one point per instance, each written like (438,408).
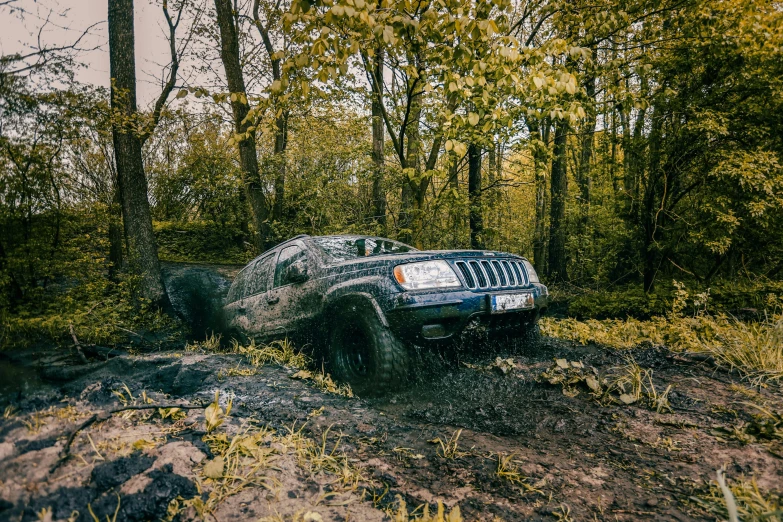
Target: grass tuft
(400,514)
(449,448)
(751,502)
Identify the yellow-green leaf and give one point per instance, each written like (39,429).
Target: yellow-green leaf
(214,468)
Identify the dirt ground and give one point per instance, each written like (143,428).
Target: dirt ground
(313,455)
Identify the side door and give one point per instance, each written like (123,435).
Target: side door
(234,310)
(294,302)
(254,302)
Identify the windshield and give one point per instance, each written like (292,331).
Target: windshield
(342,248)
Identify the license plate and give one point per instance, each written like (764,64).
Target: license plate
(508,302)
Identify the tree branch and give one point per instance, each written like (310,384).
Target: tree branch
(169,86)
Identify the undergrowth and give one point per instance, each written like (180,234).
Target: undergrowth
(281,352)
(754,349)
(101,312)
(752,502)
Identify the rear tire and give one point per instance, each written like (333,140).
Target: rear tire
(364,353)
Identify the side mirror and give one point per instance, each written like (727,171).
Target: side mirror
(297,273)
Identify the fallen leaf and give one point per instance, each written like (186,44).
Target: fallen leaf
(627,398)
(593,383)
(214,468)
(302,374)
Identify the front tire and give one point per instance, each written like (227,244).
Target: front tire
(364,353)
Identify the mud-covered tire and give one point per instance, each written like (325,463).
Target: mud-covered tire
(365,354)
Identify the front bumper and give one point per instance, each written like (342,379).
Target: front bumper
(426,318)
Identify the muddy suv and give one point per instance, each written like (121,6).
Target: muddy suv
(369,298)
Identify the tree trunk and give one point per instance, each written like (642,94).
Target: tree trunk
(115,235)
(410,217)
(378,193)
(281,142)
(491,199)
(584,174)
(142,250)
(540,154)
(652,200)
(558,194)
(281,119)
(229,54)
(474,197)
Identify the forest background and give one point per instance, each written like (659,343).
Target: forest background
(631,149)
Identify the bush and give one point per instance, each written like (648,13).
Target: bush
(754,349)
(69,286)
(202,242)
(742,298)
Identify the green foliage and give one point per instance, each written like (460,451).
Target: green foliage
(68,285)
(199,180)
(202,242)
(743,298)
(754,349)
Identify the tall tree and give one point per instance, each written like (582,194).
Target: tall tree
(248,158)
(557,262)
(141,247)
(476,218)
(281,113)
(539,135)
(378,193)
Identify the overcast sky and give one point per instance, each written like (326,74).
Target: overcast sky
(71,17)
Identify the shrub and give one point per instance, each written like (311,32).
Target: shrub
(754,349)
(202,242)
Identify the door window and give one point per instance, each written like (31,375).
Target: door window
(238,290)
(258,277)
(288,256)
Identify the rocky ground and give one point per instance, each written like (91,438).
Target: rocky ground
(491,437)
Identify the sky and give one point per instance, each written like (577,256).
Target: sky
(69,18)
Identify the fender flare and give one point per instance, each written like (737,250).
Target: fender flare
(356,298)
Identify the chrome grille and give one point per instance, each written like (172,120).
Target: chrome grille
(501,273)
(491,273)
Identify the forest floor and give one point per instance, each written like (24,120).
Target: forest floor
(526,450)
(503,434)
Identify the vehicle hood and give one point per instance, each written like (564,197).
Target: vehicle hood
(424,255)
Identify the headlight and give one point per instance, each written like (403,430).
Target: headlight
(531,272)
(428,274)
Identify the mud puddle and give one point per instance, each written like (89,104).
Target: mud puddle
(484,433)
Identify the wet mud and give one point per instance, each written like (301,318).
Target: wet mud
(490,436)
(573,456)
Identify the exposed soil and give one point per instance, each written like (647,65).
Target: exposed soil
(576,455)
(576,458)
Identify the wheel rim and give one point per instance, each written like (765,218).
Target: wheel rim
(353,353)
